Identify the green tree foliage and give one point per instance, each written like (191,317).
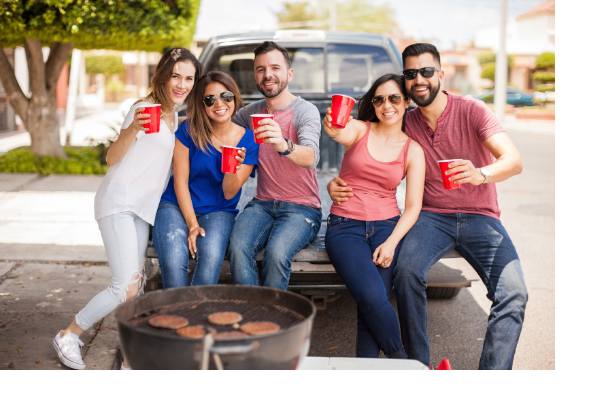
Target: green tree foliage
(543,76)
(86,24)
(350,15)
(545,61)
(487,60)
(107,65)
(300,16)
(488,71)
(149,25)
(486,57)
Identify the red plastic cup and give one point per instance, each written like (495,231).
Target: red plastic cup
(154,124)
(255,119)
(443,164)
(228,161)
(444,364)
(341,107)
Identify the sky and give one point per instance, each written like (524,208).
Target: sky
(449,22)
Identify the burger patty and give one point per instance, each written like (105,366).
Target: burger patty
(168,321)
(224,318)
(192,332)
(260,328)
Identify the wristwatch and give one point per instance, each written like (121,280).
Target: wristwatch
(290,147)
(485,173)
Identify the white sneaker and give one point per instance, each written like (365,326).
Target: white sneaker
(68,348)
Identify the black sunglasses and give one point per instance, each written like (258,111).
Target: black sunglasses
(210,100)
(426,72)
(393,98)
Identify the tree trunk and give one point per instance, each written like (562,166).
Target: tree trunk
(44,127)
(38,112)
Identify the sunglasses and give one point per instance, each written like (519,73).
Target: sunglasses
(426,72)
(210,100)
(395,99)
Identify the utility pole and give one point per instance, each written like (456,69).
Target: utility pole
(501,66)
(332,15)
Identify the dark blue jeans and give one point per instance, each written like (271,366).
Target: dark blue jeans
(350,244)
(282,229)
(170,238)
(485,244)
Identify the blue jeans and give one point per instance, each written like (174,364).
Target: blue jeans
(485,244)
(170,238)
(350,244)
(282,229)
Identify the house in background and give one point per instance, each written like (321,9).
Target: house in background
(529,35)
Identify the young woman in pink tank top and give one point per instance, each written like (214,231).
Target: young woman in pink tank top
(363,233)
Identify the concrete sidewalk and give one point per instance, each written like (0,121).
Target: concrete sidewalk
(52,263)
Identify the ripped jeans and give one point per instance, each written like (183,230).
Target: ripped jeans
(170,238)
(125,238)
(282,229)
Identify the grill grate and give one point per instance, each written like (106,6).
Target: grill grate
(197,314)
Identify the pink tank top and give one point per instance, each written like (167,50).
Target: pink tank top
(373,183)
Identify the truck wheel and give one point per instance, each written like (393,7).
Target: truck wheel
(442,293)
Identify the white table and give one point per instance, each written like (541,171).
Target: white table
(355,363)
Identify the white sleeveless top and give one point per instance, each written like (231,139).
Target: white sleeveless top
(137,182)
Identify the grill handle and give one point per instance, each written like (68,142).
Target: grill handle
(202,353)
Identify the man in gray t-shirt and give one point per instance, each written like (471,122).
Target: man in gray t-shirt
(285,215)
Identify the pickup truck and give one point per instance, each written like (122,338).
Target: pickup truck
(324,63)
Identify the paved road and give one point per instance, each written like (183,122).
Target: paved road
(45,221)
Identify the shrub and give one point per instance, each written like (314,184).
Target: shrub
(545,60)
(544,87)
(544,77)
(80,160)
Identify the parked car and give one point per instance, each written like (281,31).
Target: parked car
(515,97)
(324,63)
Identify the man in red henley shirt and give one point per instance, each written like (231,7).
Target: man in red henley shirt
(466,219)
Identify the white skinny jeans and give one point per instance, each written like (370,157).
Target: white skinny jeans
(125,238)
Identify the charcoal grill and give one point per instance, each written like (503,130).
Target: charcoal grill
(146,347)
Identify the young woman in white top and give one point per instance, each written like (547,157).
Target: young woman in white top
(126,202)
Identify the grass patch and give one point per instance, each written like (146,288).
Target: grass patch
(79,161)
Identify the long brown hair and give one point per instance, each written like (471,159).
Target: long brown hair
(162,75)
(199,126)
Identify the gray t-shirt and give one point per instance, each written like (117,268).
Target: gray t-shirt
(278,177)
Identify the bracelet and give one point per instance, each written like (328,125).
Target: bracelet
(289,149)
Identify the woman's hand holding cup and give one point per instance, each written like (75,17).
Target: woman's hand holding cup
(140,119)
(332,131)
(240,157)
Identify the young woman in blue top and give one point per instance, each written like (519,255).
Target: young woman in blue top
(198,208)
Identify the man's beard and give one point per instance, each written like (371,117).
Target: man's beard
(424,101)
(281,85)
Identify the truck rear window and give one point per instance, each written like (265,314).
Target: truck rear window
(238,61)
(351,69)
